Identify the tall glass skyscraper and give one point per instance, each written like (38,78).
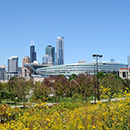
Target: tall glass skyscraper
(32,53)
(51,52)
(13,64)
(60,50)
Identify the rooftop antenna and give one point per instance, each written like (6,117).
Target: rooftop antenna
(33,42)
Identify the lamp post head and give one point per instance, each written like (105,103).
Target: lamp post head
(97,55)
(94,55)
(100,56)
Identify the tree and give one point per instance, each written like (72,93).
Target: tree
(60,85)
(72,77)
(3,91)
(20,88)
(10,93)
(41,90)
(126,83)
(100,75)
(0,92)
(112,84)
(86,84)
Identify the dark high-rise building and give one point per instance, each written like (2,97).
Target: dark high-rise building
(60,50)
(32,53)
(51,52)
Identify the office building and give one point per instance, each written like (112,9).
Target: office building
(25,71)
(60,50)
(26,59)
(13,64)
(32,53)
(10,75)
(51,52)
(47,60)
(20,71)
(55,58)
(12,68)
(2,72)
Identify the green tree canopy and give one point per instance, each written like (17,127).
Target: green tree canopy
(113,83)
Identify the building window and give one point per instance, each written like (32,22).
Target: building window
(124,74)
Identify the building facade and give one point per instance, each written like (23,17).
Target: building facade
(47,59)
(26,59)
(13,64)
(124,73)
(2,72)
(51,52)
(25,71)
(9,75)
(60,50)
(13,68)
(32,53)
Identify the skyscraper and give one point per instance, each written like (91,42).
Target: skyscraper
(2,72)
(60,50)
(13,64)
(12,68)
(32,53)
(51,52)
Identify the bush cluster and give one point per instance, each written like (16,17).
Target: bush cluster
(55,88)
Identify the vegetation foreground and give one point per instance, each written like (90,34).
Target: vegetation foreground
(68,116)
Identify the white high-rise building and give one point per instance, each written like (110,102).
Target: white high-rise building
(12,68)
(60,50)
(13,64)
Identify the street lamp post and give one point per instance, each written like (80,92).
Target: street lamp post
(97,56)
(95,86)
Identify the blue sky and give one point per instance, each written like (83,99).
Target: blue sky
(88,27)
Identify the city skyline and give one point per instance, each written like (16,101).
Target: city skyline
(88,27)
